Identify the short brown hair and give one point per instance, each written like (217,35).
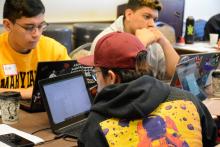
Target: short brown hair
(137,4)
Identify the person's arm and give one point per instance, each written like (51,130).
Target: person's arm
(25,93)
(153,35)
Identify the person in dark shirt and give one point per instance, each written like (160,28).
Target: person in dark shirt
(132,108)
(212,26)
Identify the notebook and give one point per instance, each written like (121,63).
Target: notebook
(50,69)
(67,102)
(193,72)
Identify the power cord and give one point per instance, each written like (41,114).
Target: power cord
(70,138)
(64,136)
(39,130)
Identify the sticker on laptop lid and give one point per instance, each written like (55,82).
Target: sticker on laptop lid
(10,69)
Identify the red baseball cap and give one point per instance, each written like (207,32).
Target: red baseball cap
(115,50)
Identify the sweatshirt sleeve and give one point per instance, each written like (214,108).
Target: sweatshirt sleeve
(209,128)
(92,133)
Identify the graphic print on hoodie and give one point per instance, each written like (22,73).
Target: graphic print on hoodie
(167,125)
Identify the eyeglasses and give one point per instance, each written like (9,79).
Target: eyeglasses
(94,74)
(31,28)
(94,71)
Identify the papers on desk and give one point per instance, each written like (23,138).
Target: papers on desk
(5,129)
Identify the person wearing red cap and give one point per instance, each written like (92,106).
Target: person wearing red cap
(139,19)
(132,108)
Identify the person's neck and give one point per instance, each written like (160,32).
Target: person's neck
(16,47)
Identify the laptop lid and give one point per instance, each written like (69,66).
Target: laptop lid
(66,99)
(44,70)
(48,69)
(193,72)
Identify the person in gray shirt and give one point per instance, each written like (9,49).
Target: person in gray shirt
(139,20)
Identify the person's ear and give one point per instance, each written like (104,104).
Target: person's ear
(7,24)
(112,77)
(128,14)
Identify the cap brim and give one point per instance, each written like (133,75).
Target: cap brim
(87,61)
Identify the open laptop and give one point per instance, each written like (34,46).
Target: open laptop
(67,101)
(193,72)
(48,69)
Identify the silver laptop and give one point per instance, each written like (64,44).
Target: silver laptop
(67,102)
(193,71)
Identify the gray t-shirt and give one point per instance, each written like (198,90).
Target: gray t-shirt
(156,57)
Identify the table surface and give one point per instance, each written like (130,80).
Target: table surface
(31,122)
(196,47)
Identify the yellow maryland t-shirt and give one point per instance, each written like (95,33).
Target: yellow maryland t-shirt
(19,70)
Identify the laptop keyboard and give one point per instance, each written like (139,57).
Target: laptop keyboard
(74,130)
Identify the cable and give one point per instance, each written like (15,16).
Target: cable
(59,136)
(55,138)
(71,139)
(40,130)
(64,136)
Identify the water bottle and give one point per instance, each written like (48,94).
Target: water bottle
(189,33)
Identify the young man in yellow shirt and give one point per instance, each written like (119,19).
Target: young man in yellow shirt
(22,46)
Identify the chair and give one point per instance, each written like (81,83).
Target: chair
(86,32)
(199,29)
(81,51)
(62,33)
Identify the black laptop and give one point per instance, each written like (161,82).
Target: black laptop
(67,101)
(49,69)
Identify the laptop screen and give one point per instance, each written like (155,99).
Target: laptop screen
(67,98)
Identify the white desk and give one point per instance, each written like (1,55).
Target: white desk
(196,47)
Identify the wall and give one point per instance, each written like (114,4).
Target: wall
(105,10)
(201,9)
(83,10)
(78,10)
